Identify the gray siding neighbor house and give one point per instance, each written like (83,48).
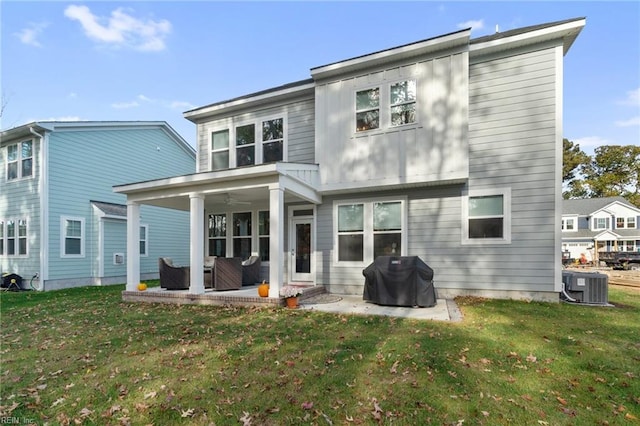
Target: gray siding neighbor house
(59,216)
(594,226)
(449,149)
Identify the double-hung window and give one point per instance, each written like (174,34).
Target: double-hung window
(246,145)
(568,224)
(351,233)
(220,150)
(20,160)
(13,237)
(368,229)
(403,102)
(368,109)
(144,237)
(72,241)
(242,235)
(487,217)
(263,235)
(601,223)
(272,140)
(218,235)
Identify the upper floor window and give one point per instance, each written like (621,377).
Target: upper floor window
(272,140)
(20,160)
(487,217)
(626,222)
(220,150)
(601,223)
(568,224)
(367,109)
(403,103)
(72,237)
(246,145)
(386,106)
(13,237)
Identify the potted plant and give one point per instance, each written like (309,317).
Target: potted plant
(290,294)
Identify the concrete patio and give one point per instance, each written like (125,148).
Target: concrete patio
(313,298)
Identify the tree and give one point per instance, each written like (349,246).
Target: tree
(573,160)
(613,170)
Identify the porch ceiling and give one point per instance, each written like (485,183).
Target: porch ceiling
(233,189)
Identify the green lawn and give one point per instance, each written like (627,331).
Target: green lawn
(83,356)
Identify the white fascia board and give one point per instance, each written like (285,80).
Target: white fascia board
(567,31)
(449,41)
(246,102)
(606,208)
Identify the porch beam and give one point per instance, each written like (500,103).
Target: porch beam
(196,262)
(276,240)
(300,189)
(133,245)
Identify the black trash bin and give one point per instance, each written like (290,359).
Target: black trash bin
(399,281)
(12,282)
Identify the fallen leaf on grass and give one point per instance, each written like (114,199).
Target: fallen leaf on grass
(245,419)
(394,367)
(188,413)
(57,402)
(307,405)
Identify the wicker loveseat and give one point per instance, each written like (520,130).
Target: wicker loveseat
(173,277)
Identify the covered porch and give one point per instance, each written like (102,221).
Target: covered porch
(266,188)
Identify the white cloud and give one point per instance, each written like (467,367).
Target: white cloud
(176,105)
(121,29)
(589,143)
(473,24)
(30,34)
(125,105)
(635,121)
(633,98)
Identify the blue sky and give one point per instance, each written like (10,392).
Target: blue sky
(153,60)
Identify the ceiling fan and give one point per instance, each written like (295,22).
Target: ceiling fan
(230,201)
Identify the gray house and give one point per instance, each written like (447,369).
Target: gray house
(59,216)
(449,149)
(593,226)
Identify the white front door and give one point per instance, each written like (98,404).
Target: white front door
(301,249)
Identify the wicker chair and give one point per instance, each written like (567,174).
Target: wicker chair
(226,274)
(251,271)
(173,277)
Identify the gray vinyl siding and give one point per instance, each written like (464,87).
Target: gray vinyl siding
(115,241)
(85,165)
(432,149)
(512,144)
(300,122)
(20,199)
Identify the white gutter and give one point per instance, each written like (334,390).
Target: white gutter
(43,273)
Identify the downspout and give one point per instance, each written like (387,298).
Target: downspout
(44,210)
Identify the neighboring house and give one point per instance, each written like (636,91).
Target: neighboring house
(596,225)
(449,149)
(59,216)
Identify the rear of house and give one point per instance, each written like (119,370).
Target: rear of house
(72,224)
(449,149)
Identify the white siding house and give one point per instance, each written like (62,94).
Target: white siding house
(449,149)
(591,227)
(59,216)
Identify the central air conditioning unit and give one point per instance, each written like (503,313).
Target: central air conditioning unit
(585,287)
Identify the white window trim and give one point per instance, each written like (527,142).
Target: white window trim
(63,236)
(16,238)
(575,223)
(228,149)
(368,233)
(146,240)
(506,197)
(231,127)
(402,80)
(255,143)
(20,160)
(384,107)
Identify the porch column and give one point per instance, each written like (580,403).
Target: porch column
(197,243)
(276,240)
(133,245)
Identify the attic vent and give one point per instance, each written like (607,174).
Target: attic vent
(118,258)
